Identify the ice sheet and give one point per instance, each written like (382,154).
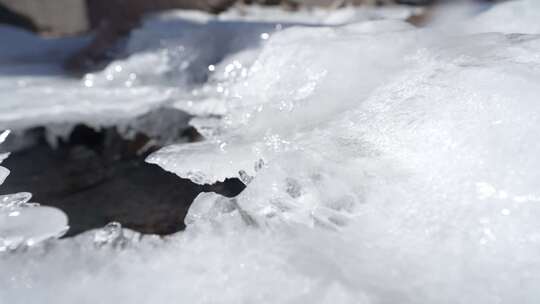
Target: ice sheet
(24,224)
(383,163)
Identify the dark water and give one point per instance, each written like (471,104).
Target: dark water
(97,177)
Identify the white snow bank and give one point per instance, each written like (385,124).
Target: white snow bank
(510,17)
(384,164)
(419,150)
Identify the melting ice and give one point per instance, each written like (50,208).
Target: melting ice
(383,163)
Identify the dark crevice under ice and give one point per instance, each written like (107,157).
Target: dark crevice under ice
(98,177)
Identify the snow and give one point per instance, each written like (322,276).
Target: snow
(383,163)
(317,15)
(166,62)
(510,17)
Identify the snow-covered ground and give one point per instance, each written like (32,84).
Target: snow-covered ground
(168,60)
(383,163)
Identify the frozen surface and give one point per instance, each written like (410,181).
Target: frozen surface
(511,17)
(35,91)
(24,224)
(383,163)
(166,62)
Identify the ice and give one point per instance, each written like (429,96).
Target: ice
(420,154)
(263,93)
(23,223)
(4,172)
(167,61)
(35,91)
(383,163)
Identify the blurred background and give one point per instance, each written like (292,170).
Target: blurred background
(65,17)
(110,20)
